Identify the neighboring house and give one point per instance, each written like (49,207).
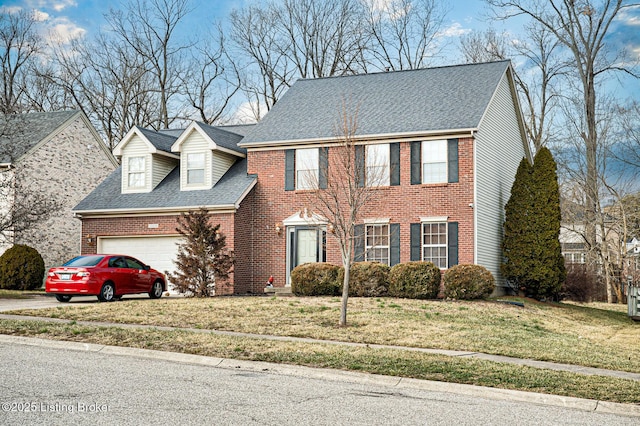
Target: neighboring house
(60,155)
(449,138)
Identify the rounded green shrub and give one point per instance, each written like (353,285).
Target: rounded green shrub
(21,268)
(367,279)
(468,282)
(316,279)
(414,280)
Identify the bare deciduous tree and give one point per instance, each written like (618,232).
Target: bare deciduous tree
(148,27)
(403,33)
(340,192)
(581,28)
(20,43)
(484,46)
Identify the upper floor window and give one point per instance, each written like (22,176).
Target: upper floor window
(434,243)
(377,165)
(377,243)
(307,168)
(195,168)
(136,172)
(434,161)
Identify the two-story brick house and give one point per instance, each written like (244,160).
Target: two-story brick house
(58,155)
(448,141)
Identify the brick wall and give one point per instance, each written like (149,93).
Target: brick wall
(137,226)
(403,204)
(68,168)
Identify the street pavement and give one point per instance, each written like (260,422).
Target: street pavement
(50,382)
(510,398)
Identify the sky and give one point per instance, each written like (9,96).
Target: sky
(76,18)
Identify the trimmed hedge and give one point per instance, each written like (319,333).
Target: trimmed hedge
(21,268)
(468,282)
(316,279)
(367,279)
(415,280)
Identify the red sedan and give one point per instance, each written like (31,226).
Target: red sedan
(108,276)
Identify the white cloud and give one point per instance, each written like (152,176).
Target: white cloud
(453,30)
(40,16)
(629,16)
(65,31)
(10,9)
(57,5)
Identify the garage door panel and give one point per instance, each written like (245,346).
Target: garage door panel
(158,252)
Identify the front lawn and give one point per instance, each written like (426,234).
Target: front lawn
(591,335)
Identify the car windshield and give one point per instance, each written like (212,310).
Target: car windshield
(84,261)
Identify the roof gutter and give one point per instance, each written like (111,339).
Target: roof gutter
(387,137)
(158,211)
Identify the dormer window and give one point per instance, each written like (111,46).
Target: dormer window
(195,168)
(136,172)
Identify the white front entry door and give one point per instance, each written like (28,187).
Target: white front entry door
(305,244)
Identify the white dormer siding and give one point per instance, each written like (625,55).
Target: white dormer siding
(220,164)
(216,163)
(134,149)
(156,167)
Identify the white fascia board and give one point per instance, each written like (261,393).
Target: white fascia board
(160,211)
(362,139)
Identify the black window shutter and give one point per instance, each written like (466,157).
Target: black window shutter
(394,237)
(360,166)
(416,241)
(452,153)
(394,157)
(452,231)
(358,244)
(289,169)
(416,163)
(324,167)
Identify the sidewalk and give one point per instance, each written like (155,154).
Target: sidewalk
(495,358)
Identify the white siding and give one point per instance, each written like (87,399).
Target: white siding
(136,148)
(221,163)
(499,150)
(195,143)
(161,167)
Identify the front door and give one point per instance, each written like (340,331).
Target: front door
(305,244)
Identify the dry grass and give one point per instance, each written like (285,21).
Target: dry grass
(380,361)
(19,294)
(590,335)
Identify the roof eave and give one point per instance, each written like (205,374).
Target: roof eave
(363,138)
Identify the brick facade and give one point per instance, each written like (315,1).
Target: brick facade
(403,204)
(67,167)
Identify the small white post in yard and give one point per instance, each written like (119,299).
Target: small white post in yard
(632,299)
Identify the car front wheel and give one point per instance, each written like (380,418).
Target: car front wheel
(63,298)
(107,293)
(156,290)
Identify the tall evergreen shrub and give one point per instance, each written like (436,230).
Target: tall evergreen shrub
(531,246)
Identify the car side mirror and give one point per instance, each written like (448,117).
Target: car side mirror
(147,267)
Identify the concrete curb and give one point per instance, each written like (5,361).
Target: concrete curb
(337,375)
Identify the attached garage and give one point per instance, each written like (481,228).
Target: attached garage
(157,251)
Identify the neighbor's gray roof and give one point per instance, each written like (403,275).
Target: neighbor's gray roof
(425,100)
(21,132)
(228,191)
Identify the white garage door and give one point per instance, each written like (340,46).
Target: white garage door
(158,252)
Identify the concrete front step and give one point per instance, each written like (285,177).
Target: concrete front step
(278,291)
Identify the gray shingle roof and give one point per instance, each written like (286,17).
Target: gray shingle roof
(161,141)
(223,137)
(228,191)
(20,133)
(432,99)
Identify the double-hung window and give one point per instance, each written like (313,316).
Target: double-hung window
(136,172)
(434,243)
(195,168)
(434,161)
(307,168)
(377,243)
(377,165)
